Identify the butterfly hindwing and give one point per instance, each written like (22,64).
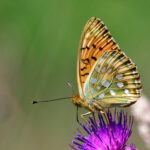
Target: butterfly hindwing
(113,81)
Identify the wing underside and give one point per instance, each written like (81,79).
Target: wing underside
(106,76)
(113,81)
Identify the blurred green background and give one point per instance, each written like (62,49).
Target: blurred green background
(38,54)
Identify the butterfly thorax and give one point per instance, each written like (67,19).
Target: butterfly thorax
(78,101)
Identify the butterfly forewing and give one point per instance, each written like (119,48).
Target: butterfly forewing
(106,76)
(95,40)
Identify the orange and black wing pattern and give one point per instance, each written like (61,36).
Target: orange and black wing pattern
(95,40)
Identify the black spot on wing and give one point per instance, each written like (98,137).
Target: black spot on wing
(94,58)
(83,48)
(85,61)
(94,46)
(85,74)
(87,48)
(83,68)
(100,48)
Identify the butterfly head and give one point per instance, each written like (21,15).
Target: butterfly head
(77,100)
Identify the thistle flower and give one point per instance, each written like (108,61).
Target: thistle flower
(102,136)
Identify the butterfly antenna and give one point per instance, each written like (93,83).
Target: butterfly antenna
(35,101)
(69,84)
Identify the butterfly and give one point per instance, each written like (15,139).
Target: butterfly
(106,76)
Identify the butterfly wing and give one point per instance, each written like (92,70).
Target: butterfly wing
(105,74)
(95,40)
(113,81)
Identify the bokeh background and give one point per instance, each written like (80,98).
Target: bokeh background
(38,54)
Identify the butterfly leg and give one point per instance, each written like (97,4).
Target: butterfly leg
(77,116)
(83,117)
(105,117)
(101,110)
(93,114)
(107,121)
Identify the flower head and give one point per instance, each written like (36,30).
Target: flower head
(104,136)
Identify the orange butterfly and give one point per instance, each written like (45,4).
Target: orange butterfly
(106,76)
